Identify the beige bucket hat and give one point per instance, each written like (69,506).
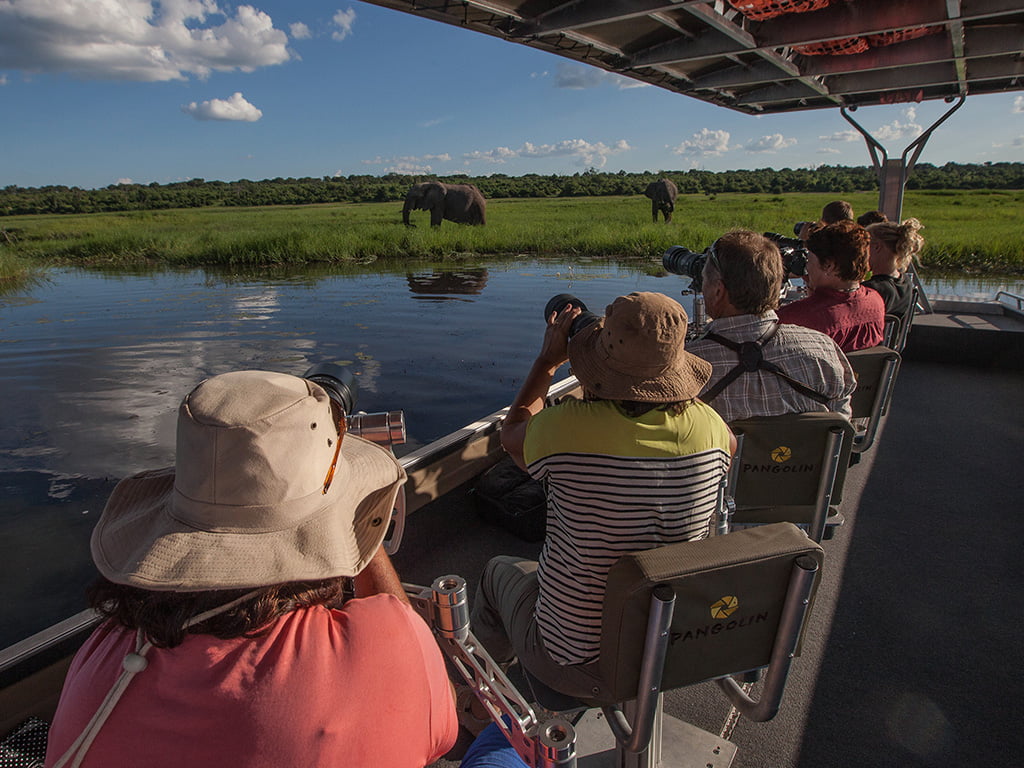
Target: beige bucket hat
(245,504)
(635,352)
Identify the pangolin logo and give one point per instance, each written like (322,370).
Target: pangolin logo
(781,454)
(724,607)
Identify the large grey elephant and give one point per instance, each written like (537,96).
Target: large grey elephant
(461,203)
(663,198)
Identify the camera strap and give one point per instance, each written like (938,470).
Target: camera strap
(751,355)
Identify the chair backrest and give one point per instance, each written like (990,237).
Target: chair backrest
(875,369)
(897,328)
(730,591)
(789,468)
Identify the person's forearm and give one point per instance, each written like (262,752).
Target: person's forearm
(531,396)
(528,403)
(379,577)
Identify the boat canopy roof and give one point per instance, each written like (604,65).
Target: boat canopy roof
(767,56)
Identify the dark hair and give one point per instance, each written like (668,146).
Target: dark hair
(634,408)
(844,245)
(838,210)
(750,268)
(871,217)
(162,615)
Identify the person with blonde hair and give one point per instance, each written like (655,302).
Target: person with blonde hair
(893,247)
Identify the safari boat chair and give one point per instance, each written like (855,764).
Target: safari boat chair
(875,369)
(897,328)
(673,616)
(789,468)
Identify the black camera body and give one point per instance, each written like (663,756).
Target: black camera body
(680,260)
(793,250)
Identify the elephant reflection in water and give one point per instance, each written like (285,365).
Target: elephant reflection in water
(461,203)
(437,284)
(663,198)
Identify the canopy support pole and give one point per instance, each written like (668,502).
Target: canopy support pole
(893,174)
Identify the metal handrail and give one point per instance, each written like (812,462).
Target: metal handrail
(1014,296)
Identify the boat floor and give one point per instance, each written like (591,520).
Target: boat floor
(912,657)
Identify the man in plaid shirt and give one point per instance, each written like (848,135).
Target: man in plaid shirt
(802,370)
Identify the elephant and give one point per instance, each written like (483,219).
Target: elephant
(663,198)
(461,203)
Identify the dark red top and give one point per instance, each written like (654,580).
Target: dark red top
(854,319)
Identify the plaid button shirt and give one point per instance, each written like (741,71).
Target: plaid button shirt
(810,357)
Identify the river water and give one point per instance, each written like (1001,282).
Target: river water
(93,366)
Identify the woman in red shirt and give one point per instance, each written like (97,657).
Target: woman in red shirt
(839,306)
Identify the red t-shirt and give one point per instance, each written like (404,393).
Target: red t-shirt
(854,319)
(357,687)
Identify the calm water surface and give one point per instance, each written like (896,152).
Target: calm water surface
(93,366)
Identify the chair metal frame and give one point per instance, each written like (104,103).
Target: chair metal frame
(637,725)
(883,389)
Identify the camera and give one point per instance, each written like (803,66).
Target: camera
(794,253)
(682,261)
(798,227)
(386,428)
(582,320)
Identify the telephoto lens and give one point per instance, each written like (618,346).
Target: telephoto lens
(338,382)
(557,303)
(682,261)
(798,227)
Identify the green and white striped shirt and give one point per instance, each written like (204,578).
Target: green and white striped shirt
(615,484)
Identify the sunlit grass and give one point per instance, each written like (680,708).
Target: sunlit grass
(972,230)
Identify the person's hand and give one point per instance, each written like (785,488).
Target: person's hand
(555,349)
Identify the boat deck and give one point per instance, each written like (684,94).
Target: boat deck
(912,653)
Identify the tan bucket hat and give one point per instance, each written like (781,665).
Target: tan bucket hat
(245,505)
(635,352)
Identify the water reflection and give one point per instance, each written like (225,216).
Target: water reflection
(93,366)
(445,285)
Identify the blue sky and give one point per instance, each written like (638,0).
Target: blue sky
(96,92)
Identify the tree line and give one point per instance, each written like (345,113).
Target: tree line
(197,193)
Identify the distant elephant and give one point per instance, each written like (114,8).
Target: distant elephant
(461,203)
(663,198)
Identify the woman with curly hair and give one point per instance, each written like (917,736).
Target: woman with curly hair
(893,247)
(838,305)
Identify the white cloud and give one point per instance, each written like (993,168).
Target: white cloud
(125,181)
(344,21)
(850,135)
(706,143)
(769,144)
(136,39)
(576,77)
(535,75)
(1018,105)
(3,79)
(898,130)
(829,151)
(407,164)
(433,122)
(1018,142)
(235,108)
(299,31)
(593,154)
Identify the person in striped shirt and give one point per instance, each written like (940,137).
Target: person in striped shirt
(634,465)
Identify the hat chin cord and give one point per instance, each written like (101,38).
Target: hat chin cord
(132,664)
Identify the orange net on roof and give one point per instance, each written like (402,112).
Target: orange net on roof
(901,35)
(759,10)
(841,47)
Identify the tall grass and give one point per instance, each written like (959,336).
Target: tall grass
(973,230)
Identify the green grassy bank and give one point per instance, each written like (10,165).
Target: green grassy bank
(975,231)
